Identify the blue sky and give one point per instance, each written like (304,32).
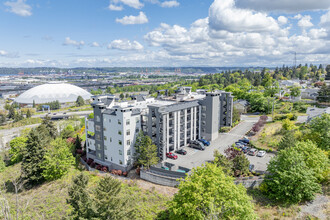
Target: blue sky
(71,33)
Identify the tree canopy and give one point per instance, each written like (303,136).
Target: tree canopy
(209,194)
(146,152)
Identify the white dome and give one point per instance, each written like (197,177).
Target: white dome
(51,92)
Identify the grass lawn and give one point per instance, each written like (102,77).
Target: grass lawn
(269,136)
(48,201)
(25,121)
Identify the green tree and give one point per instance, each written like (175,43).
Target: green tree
(34,104)
(295,91)
(34,154)
(17,147)
(209,194)
(324,94)
(28,114)
(50,127)
(146,151)
(236,115)
(288,140)
(57,160)
(109,202)
(241,164)
(80,199)
(320,132)
(121,96)
(11,112)
(67,132)
(222,161)
(290,180)
(77,142)
(80,101)
(288,125)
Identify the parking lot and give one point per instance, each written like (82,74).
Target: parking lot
(196,158)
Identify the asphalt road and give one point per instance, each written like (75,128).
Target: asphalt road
(61,114)
(196,158)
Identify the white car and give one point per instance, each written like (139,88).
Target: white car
(261,153)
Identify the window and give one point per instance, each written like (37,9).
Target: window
(104,129)
(128,142)
(128,162)
(137,120)
(120,152)
(97,127)
(119,132)
(98,146)
(110,139)
(119,122)
(204,115)
(105,138)
(98,137)
(99,155)
(119,142)
(204,108)
(120,162)
(128,152)
(105,157)
(127,122)
(105,147)
(98,118)
(137,130)
(110,120)
(128,132)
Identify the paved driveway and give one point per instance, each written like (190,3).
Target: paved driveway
(197,158)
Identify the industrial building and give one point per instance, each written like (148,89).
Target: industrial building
(171,122)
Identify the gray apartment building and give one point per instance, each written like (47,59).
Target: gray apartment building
(171,122)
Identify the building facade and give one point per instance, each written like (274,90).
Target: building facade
(171,123)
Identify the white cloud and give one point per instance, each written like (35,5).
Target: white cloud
(95,44)
(113,7)
(69,41)
(305,22)
(169,4)
(125,45)
(223,15)
(298,16)
(283,5)
(19,7)
(140,19)
(282,20)
(131,3)
(325,19)
(3,53)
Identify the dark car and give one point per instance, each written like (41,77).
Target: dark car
(197,145)
(181,151)
(245,140)
(246,149)
(205,142)
(171,155)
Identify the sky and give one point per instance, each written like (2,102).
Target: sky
(163,33)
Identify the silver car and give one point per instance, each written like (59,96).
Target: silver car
(261,153)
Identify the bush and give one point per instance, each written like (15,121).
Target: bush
(224,129)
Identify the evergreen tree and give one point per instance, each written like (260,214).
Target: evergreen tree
(146,151)
(11,112)
(33,156)
(78,142)
(109,202)
(50,127)
(327,69)
(80,200)
(324,94)
(2,164)
(241,164)
(121,96)
(34,104)
(28,114)
(288,140)
(80,101)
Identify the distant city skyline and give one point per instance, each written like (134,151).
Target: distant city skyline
(138,33)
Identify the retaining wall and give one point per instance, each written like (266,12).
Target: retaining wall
(159,179)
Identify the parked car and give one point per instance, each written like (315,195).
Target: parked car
(261,153)
(181,151)
(239,144)
(253,152)
(171,156)
(251,167)
(205,142)
(245,140)
(246,149)
(197,145)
